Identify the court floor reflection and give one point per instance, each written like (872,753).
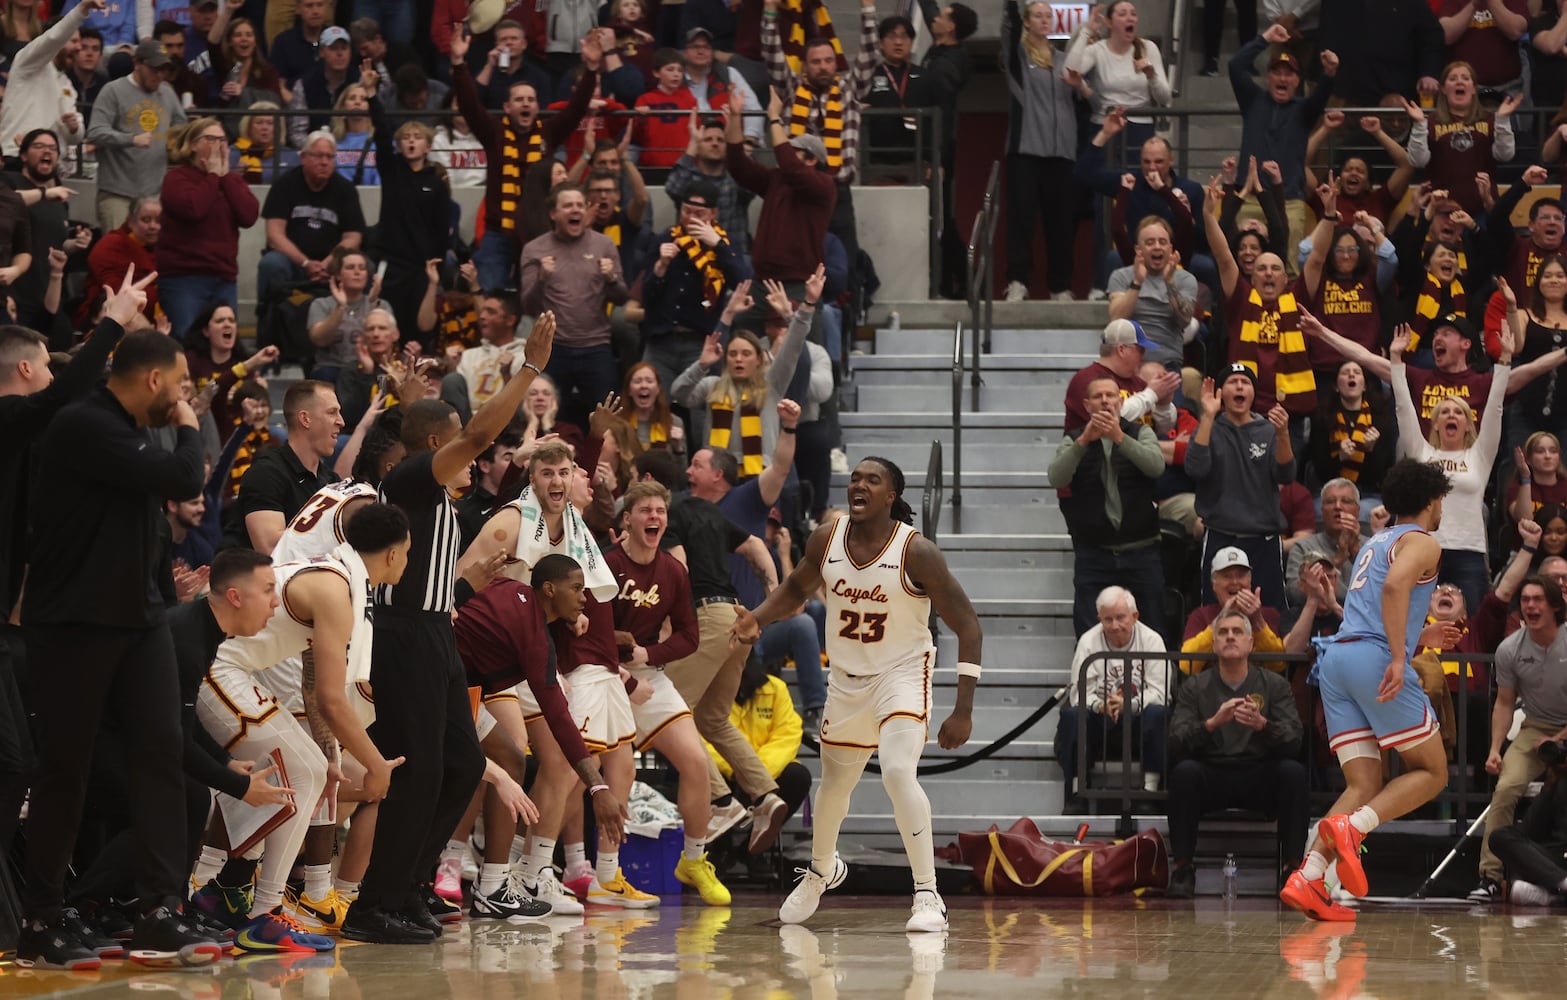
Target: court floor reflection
(857,948)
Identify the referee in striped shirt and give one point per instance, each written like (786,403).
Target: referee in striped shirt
(421,691)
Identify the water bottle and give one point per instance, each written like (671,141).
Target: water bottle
(1231,876)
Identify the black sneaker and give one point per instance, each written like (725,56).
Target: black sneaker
(374,925)
(1210,66)
(212,928)
(510,902)
(1488,891)
(1183,883)
(91,937)
(165,939)
(418,913)
(443,910)
(53,946)
(111,920)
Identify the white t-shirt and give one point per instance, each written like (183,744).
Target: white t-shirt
(1463,515)
(1115,79)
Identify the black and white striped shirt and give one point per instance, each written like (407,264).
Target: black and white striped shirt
(428,582)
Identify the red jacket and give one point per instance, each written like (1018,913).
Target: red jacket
(106,264)
(797,204)
(202,216)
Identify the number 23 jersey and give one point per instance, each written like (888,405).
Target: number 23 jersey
(877,618)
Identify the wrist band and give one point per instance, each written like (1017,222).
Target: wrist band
(967,669)
(535,369)
(1531,549)
(598,788)
(1526,482)
(789,430)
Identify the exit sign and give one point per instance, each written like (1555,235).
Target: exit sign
(1067,18)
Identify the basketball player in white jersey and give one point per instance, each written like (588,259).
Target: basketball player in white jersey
(314,533)
(323,601)
(881,579)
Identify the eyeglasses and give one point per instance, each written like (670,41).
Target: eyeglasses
(213,138)
(51,147)
(1346,251)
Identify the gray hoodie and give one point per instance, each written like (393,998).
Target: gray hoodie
(1238,477)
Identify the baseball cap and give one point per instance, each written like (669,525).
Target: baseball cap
(1126,331)
(1465,328)
(703,194)
(150,52)
(1285,58)
(1239,369)
(699,32)
(1319,557)
(204,3)
(333,35)
(811,144)
(1227,557)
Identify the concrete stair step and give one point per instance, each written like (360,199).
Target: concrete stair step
(1037,361)
(981,460)
(934,402)
(940,314)
(1031,518)
(897,371)
(1013,658)
(1001,583)
(938,341)
(1009,428)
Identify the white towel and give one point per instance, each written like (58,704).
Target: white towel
(359,588)
(533,544)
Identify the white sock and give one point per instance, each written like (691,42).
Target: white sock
(1314,867)
(454,849)
(576,856)
(608,865)
(491,877)
(318,880)
(210,863)
(541,854)
(694,849)
(519,848)
(1364,819)
(269,896)
(345,889)
(926,886)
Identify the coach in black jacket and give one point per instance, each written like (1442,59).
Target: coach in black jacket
(94,618)
(29,399)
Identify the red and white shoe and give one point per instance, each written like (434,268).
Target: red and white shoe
(1311,898)
(448,878)
(1338,833)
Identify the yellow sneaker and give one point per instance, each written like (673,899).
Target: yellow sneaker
(620,893)
(324,915)
(701,874)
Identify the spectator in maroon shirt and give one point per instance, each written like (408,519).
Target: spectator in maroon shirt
(1485,34)
(798,197)
(133,243)
(204,208)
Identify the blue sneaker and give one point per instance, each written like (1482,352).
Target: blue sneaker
(229,907)
(277,931)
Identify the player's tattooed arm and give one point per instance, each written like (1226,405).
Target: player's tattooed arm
(796,588)
(319,730)
(754,551)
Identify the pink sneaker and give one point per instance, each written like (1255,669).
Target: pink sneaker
(579,882)
(448,878)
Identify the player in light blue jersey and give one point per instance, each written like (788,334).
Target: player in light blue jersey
(1370,694)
